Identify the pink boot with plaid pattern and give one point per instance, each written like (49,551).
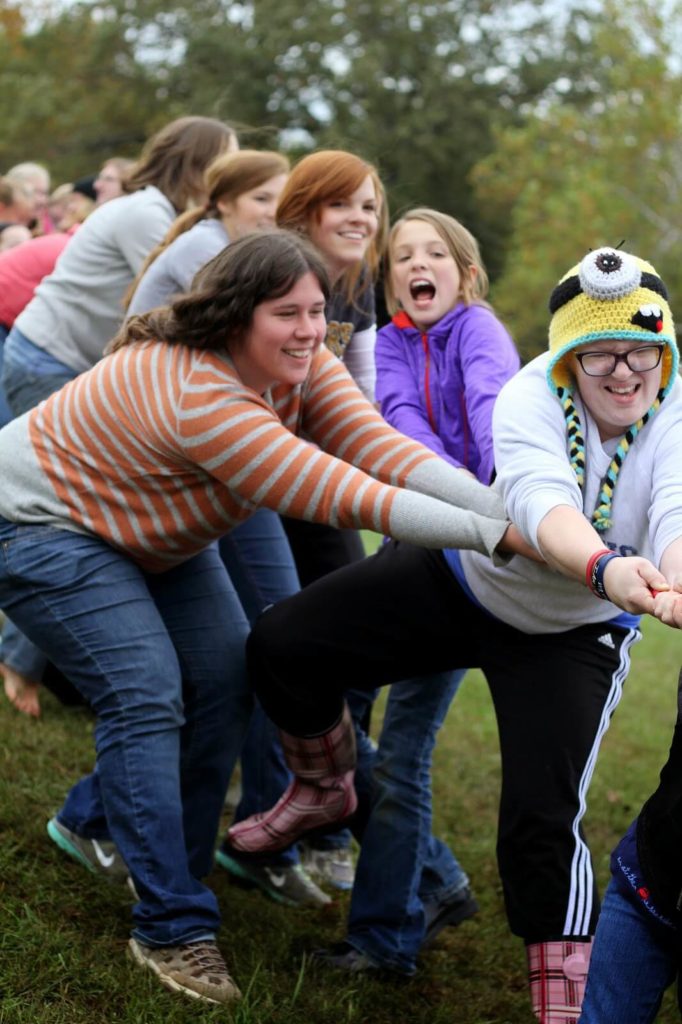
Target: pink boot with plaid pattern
(320,794)
(557,972)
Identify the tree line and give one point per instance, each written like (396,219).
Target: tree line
(548,130)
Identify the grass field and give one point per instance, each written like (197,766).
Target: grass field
(63,932)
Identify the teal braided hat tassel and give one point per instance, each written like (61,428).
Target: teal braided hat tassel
(601,517)
(576,441)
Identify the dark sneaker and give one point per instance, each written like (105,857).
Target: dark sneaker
(289,883)
(448,913)
(196,969)
(344,957)
(98,855)
(331,867)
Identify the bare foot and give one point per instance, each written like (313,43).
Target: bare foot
(21,692)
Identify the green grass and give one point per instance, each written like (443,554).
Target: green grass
(63,932)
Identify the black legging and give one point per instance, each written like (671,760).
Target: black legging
(402,613)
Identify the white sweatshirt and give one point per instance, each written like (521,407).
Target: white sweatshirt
(535,476)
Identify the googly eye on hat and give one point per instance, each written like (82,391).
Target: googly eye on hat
(609,274)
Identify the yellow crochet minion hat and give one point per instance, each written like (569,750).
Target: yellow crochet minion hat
(610,295)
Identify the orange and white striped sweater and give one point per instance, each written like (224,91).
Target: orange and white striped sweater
(160,449)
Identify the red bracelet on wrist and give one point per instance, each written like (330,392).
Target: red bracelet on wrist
(590,565)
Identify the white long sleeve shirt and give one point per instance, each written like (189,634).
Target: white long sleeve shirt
(535,476)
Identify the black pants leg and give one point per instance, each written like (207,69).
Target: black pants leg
(396,614)
(554,696)
(319,549)
(401,613)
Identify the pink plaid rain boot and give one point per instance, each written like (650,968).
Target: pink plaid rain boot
(557,972)
(320,794)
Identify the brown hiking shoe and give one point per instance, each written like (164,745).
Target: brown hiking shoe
(196,969)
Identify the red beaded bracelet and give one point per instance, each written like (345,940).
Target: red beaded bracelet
(591,563)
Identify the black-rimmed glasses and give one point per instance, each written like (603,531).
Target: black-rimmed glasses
(639,360)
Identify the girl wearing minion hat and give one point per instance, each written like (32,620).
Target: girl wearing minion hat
(587,449)
(622,385)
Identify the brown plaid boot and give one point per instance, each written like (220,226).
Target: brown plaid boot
(321,793)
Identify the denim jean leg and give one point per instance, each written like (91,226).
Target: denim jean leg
(19,654)
(208,627)
(92,611)
(216,717)
(633,962)
(386,916)
(259,560)
(29,373)
(364,772)
(442,876)
(5,411)
(83,810)
(27,376)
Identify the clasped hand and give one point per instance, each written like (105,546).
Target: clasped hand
(668,604)
(637,586)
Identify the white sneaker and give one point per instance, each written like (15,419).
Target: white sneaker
(101,856)
(289,883)
(333,867)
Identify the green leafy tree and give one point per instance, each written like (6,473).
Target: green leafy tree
(72,92)
(599,167)
(421,89)
(415,87)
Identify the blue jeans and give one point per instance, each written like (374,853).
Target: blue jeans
(160,657)
(29,374)
(5,411)
(401,865)
(259,560)
(633,962)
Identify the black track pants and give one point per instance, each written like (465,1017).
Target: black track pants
(401,613)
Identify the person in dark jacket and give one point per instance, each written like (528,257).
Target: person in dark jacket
(636,952)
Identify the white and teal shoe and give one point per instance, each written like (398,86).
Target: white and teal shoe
(97,855)
(286,883)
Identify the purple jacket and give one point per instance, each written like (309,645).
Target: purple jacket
(440,387)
